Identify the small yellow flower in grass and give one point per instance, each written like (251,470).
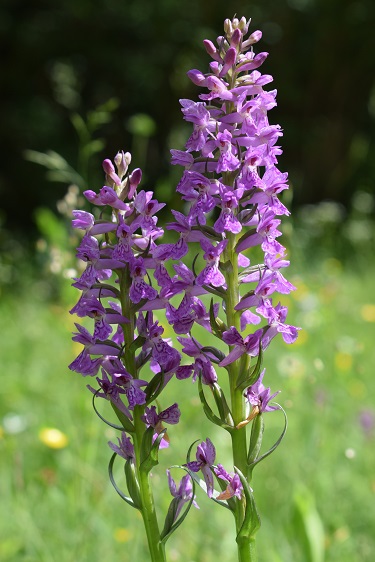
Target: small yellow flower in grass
(343,361)
(53,438)
(122,535)
(368,312)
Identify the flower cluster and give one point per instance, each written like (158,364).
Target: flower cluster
(231,185)
(116,286)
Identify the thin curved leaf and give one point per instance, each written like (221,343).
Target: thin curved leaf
(127,499)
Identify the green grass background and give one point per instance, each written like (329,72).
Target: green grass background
(315,494)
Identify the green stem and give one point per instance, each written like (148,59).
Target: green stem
(150,522)
(246,548)
(156,547)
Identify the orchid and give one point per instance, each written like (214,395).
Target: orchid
(230,186)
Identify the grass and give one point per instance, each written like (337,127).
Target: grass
(315,494)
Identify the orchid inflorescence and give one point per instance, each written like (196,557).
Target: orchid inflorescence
(230,187)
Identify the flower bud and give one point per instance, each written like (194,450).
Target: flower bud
(134,181)
(122,161)
(210,47)
(228,28)
(254,38)
(244,25)
(109,169)
(236,38)
(197,77)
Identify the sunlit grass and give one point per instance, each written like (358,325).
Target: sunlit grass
(57,504)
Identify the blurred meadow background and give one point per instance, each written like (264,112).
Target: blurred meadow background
(82,80)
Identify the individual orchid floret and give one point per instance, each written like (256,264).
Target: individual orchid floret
(110,390)
(182,493)
(125,447)
(250,345)
(106,196)
(211,275)
(146,208)
(197,114)
(86,221)
(205,456)
(139,288)
(85,365)
(276,320)
(169,415)
(165,357)
(92,346)
(153,419)
(202,365)
(227,220)
(259,397)
(234,487)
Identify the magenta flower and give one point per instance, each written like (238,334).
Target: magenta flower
(125,448)
(205,459)
(259,396)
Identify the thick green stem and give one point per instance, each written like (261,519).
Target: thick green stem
(246,548)
(156,547)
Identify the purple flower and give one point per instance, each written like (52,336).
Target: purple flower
(259,396)
(106,196)
(139,288)
(125,448)
(170,415)
(211,274)
(202,365)
(183,492)
(205,459)
(249,345)
(111,391)
(234,487)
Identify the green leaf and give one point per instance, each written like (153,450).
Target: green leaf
(136,344)
(213,351)
(152,458)
(154,387)
(276,444)
(247,377)
(308,525)
(132,483)
(222,404)
(127,499)
(217,325)
(126,423)
(170,524)
(251,521)
(256,437)
(208,411)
